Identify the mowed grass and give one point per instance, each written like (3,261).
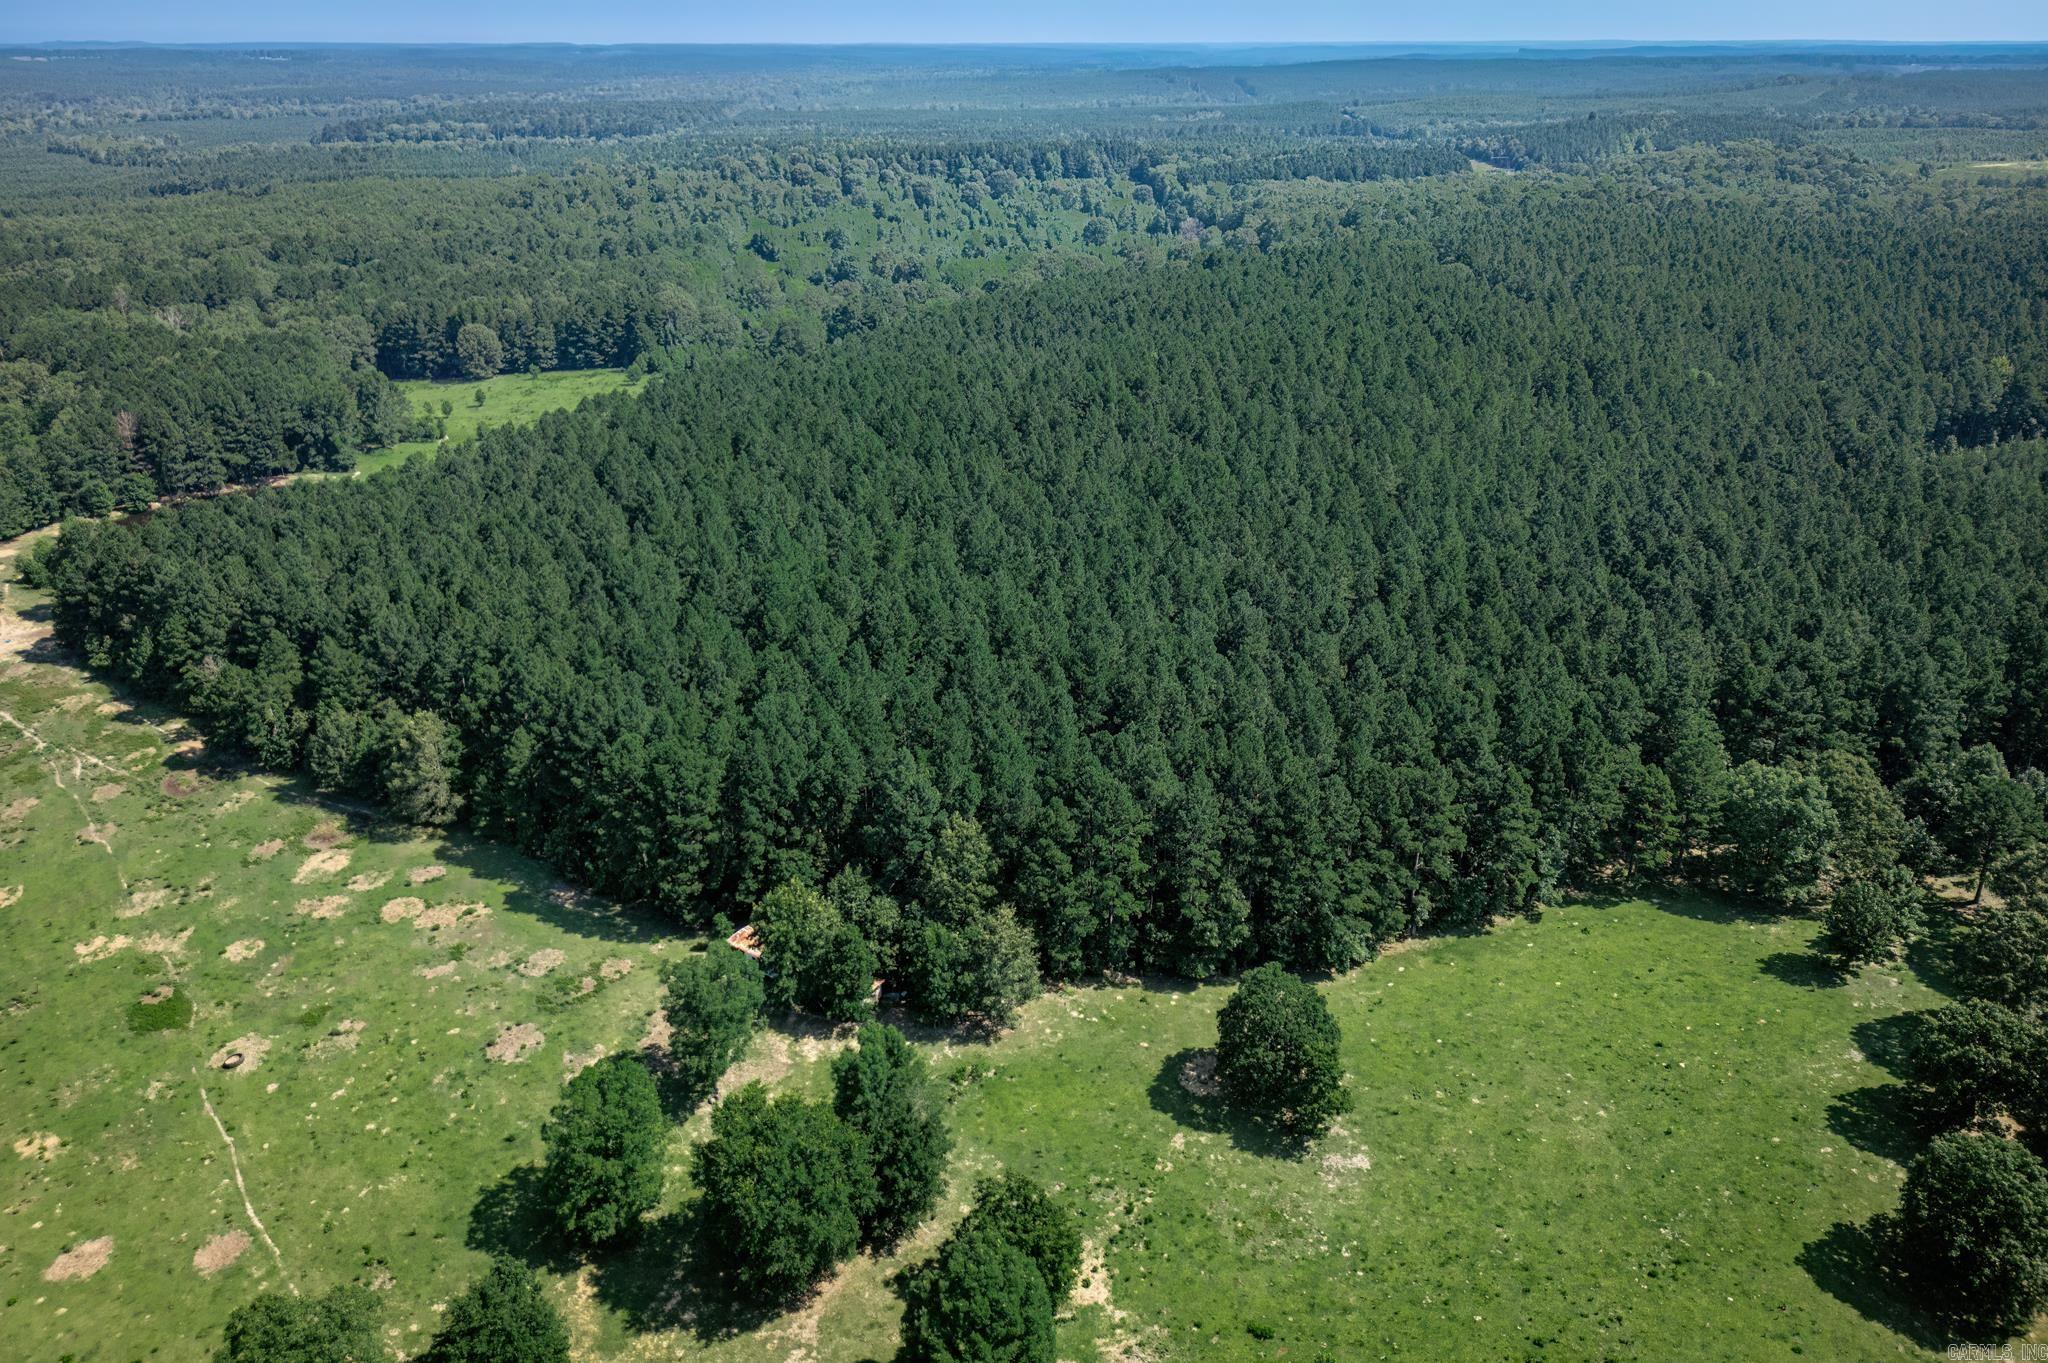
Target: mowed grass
(1634,1129)
(509,400)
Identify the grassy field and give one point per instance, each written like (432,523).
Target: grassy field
(1634,1129)
(509,400)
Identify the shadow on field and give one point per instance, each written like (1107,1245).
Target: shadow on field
(1934,953)
(1854,1265)
(1201,1110)
(1888,1042)
(666,1278)
(1804,970)
(511,1218)
(1879,1119)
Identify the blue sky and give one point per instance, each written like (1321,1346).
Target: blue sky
(820,21)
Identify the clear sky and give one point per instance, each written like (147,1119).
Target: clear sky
(1180,21)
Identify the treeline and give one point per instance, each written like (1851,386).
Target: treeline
(119,414)
(1263,610)
(1600,137)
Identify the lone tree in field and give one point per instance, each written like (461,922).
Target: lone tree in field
(1870,917)
(340,1327)
(502,1318)
(1277,1054)
(882,1092)
(786,1184)
(604,1145)
(712,1005)
(1974,1232)
(1037,1225)
(980,1301)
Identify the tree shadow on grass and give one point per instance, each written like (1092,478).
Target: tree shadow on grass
(1880,1119)
(1934,953)
(1888,1042)
(1805,970)
(1182,1091)
(668,1278)
(1853,1264)
(511,1217)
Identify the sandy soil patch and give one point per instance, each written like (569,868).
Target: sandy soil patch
(142,901)
(656,1038)
(17,810)
(164,943)
(264,851)
(245,1052)
(327,906)
(74,702)
(189,746)
(1093,1288)
(448,915)
(43,1145)
(81,1261)
(179,785)
(320,864)
(1198,1075)
(346,1036)
(437,972)
(515,1043)
(156,995)
(541,962)
(420,875)
(10,895)
(101,833)
(575,1062)
(110,707)
(101,947)
(247,949)
(400,909)
(369,880)
(327,833)
(220,1252)
(110,791)
(617,968)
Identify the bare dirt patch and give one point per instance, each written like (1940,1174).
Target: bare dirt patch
(220,1252)
(243,1055)
(327,833)
(541,962)
(43,1145)
(10,895)
(1198,1075)
(17,810)
(101,947)
(320,864)
(110,791)
(515,1043)
(1335,1167)
(346,1036)
(575,1062)
(80,1262)
(165,943)
(327,906)
(617,968)
(400,909)
(179,785)
(369,880)
(448,915)
(101,833)
(110,707)
(264,851)
(142,901)
(235,801)
(436,972)
(247,949)
(420,875)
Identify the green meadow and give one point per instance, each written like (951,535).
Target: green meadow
(1636,1128)
(508,400)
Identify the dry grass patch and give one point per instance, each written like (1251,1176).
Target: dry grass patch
(617,968)
(400,909)
(448,915)
(142,901)
(220,1252)
(43,1146)
(320,864)
(368,880)
(327,906)
(327,833)
(110,791)
(420,875)
(10,895)
(243,1055)
(17,810)
(80,1262)
(179,785)
(541,962)
(515,1043)
(264,851)
(247,949)
(101,947)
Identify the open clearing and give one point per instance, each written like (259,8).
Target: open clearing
(1627,1130)
(509,400)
